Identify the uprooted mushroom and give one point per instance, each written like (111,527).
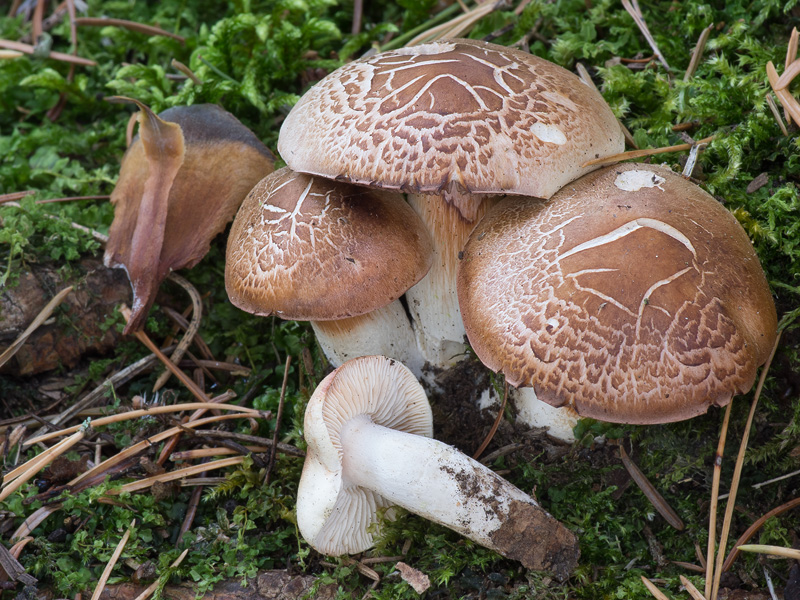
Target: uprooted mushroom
(631,296)
(450,123)
(182,180)
(368,427)
(311,249)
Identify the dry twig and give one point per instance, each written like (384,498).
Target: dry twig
(43,315)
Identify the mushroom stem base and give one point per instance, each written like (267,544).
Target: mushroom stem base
(436,481)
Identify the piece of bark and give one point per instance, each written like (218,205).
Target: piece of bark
(267,585)
(61,342)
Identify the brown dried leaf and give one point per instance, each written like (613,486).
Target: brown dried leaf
(182,180)
(142,195)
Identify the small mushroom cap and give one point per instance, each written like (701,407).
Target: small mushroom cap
(308,248)
(333,515)
(455,116)
(632,296)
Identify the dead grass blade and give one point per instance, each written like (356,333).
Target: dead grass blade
(693,591)
(697,53)
(35,519)
(776,113)
(737,471)
(188,337)
(208,452)
(147,443)
(771,550)
(154,586)
(155,410)
(28,49)
(656,499)
(15,196)
(792,70)
(791,55)
(9,54)
(101,584)
(274,450)
(495,425)
(36,21)
(651,587)
(632,6)
(745,537)
(130,25)
(176,64)
(24,473)
(73,198)
(142,484)
(457,26)
(712,514)
(646,152)
(37,322)
(43,457)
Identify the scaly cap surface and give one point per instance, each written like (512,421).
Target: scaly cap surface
(453,117)
(632,296)
(308,248)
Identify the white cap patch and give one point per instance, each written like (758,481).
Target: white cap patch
(548,133)
(633,181)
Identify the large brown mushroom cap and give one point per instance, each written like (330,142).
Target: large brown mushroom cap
(313,249)
(632,296)
(456,116)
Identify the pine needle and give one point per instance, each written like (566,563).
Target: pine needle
(101,584)
(693,591)
(646,152)
(657,593)
(737,471)
(154,586)
(771,550)
(632,6)
(155,410)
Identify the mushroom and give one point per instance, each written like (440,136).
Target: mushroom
(449,122)
(368,427)
(340,256)
(631,296)
(181,181)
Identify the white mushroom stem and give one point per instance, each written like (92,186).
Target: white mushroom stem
(385,331)
(433,302)
(534,413)
(436,481)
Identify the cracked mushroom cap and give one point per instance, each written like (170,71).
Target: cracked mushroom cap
(312,249)
(333,514)
(632,296)
(455,116)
